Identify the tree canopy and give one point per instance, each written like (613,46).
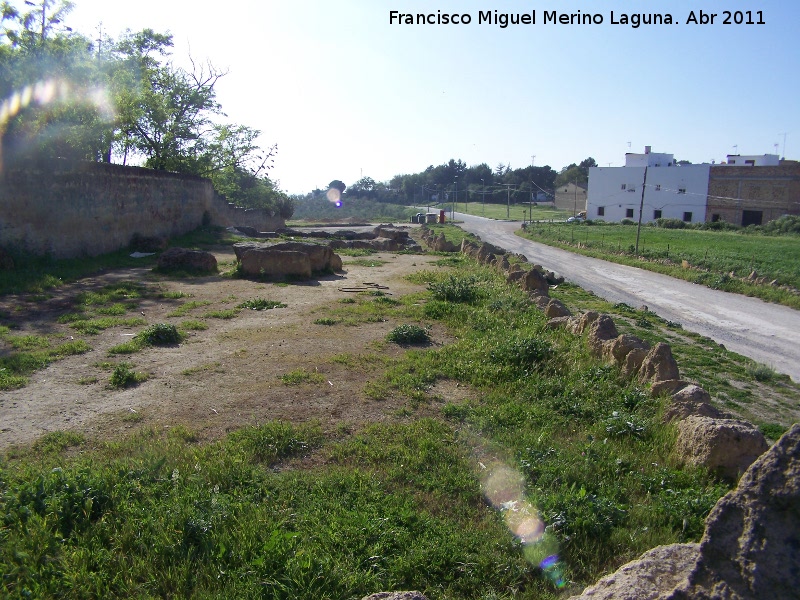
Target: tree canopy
(122,101)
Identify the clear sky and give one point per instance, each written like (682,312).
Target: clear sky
(344,93)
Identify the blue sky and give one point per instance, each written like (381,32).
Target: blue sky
(344,93)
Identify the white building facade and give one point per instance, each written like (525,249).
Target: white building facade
(670,191)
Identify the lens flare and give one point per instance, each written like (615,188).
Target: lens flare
(46,92)
(334,196)
(503,488)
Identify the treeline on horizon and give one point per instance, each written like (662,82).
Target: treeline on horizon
(454,181)
(124,101)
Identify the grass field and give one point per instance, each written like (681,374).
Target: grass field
(506,423)
(712,256)
(514,212)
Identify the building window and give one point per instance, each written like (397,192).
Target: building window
(629,213)
(658,187)
(601,211)
(624,186)
(715,218)
(752,217)
(687,216)
(681,190)
(750,163)
(656,214)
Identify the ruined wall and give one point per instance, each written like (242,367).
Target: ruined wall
(772,191)
(70,208)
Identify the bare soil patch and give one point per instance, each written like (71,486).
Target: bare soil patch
(219,379)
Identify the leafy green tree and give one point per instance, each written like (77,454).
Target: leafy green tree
(337,185)
(575,173)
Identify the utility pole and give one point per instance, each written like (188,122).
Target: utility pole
(575,206)
(508,198)
(641,208)
(483,196)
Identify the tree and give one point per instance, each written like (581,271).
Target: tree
(337,185)
(575,173)
(60,110)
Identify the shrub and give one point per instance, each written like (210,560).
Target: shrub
(160,334)
(670,223)
(762,373)
(408,334)
(123,376)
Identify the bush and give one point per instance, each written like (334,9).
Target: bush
(408,334)
(670,223)
(628,222)
(124,377)
(786,225)
(160,334)
(761,373)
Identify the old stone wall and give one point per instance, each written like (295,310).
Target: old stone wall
(75,208)
(736,194)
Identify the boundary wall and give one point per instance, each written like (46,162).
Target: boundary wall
(69,208)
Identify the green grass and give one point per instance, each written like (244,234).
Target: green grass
(159,516)
(228,313)
(325,321)
(514,212)
(193,325)
(366,262)
(408,334)
(94,326)
(174,295)
(713,255)
(261,304)
(292,511)
(301,376)
(159,334)
(184,308)
(32,354)
(214,367)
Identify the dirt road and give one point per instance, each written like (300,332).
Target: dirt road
(767,333)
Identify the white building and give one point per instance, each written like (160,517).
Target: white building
(670,191)
(760,160)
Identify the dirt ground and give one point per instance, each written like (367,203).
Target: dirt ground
(219,379)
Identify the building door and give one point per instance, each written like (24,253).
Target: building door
(751,217)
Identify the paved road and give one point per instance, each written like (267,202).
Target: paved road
(767,333)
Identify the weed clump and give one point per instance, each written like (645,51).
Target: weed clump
(455,289)
(261,304)
(408,334)
(123,377)
(160,334)
(761,373)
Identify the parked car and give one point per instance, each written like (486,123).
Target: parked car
(577,219)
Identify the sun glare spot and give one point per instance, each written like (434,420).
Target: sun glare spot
(503,488)
(334,196)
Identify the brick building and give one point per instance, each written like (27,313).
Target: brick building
(752,195)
